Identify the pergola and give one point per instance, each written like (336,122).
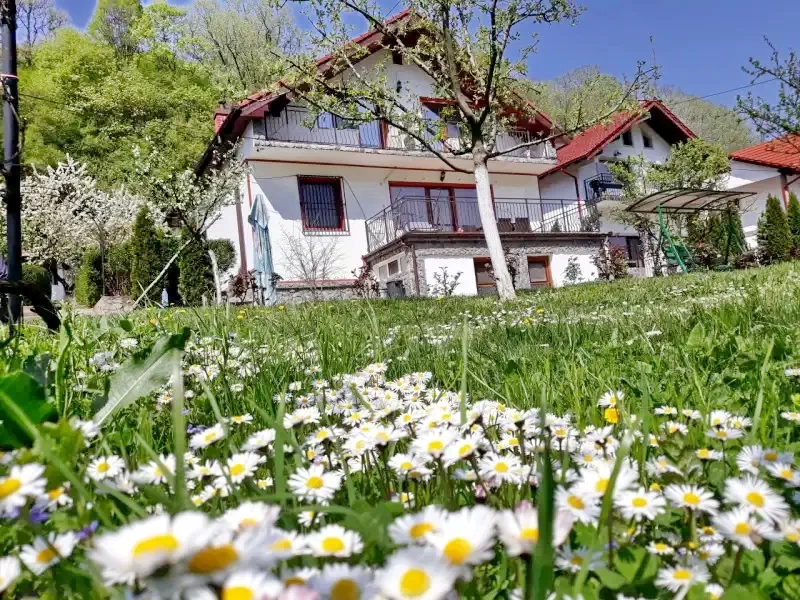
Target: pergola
(685,201)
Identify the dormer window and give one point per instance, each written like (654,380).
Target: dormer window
(627,138)
(647,141)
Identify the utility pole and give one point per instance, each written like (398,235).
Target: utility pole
(12,153)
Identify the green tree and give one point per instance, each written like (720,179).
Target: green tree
(774,235)
(37,20)
(793,217)
(145,254)
(88,280)
(196,277)
(114,22)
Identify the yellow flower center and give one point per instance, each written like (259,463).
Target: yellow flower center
(457,550)
(661,547)
(332,545)
(601,486)
(345,589)
(209,437)
(103,467)
(575,502)
(237,469)
(46,555)
(435,446)
(682,575)
(722,434)
(576,560)
(248,522)
(742,529)
(314,482)
(501,467)
(282,544)
(414,583)
(691,498)
(755,499)
(529,534)
(8,487)
(419,530)
(156,543)
(703,453)
(654,487)
(771,456)
(238,593)
(55,494)
(639,502)
(465,449)
(793,536)
(406,465)
(212,559)
(787,473)
(295,580)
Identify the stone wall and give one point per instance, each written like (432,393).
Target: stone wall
(292,292)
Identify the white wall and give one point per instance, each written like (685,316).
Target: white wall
(658,153)
(558,263)
(467,285)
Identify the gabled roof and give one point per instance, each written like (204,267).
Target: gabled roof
(782,153)
(592,141)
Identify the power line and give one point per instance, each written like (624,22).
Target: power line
(736,89)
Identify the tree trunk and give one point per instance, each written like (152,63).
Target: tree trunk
(505,287)
(217,286)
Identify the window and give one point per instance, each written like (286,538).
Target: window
(539,271)
(647,141)
(631,246)
(627,138)
(394,268)
(383,273)
(321,203)
(484,277)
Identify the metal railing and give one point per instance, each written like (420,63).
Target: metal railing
(292,125)
(462,216)
(602,186)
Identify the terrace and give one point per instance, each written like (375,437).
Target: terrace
(291,125)
(456,214)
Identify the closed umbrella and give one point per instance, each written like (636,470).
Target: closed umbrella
(262,250)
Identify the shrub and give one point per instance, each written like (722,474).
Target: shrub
(445,284)
(145,255)
(793,217)
(366,285)
(225,252)
(119,261)
(611,263)
(572,272)
(87,283)
(37,276)
(774,236)
(196,278)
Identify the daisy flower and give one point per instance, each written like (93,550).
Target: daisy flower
(785,472)
(416,574)
(640,504)
(314,483)
(433,443)
(54,498)
(299,576)
(205,438)
(466,537)
(790,531)
(105,467)
(44,553)
(334,540)
(519,528)
(21,483)
(259,439)
(679,579)
(710,553)
(611,399)
(573,560)
(343,582)
(9,571)
(724,434)
(749,459)
(142,547)
(251,514)
(756,496)
(595,480)
(582,506)
(660,548)
(249,585)
(707,454)
(156,472)
(242,465)
(287,543)
(793,416)
(741,527)
(414,529)
(241,419)
(505,468)
(718,418)
(692,497)
(463,448)
(714,591)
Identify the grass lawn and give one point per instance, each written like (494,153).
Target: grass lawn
(413,448)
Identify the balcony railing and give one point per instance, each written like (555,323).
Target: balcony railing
(291,125)
(461,216)
(603,186)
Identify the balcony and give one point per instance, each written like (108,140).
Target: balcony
(603,186)
(291,126)
(520,216)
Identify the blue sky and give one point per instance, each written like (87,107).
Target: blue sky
(701,45)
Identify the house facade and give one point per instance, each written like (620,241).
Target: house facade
(339,195)
(770,168)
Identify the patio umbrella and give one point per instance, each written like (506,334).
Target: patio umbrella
(262,250)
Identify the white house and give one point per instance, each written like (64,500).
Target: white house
(770,168)
(367,194)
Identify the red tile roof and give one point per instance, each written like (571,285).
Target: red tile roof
(783,153)
(592,141)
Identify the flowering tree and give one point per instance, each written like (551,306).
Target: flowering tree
(63,212)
